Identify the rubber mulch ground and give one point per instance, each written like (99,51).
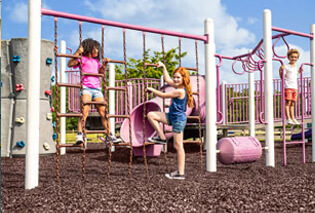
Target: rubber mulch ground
(250,187)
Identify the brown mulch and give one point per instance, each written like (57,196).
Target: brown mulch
(233,188)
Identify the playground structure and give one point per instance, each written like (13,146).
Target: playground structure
(14,97)
(31,177)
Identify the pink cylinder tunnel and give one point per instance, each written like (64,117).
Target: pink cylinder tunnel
(239,150)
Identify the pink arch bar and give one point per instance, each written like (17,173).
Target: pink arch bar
(121,25)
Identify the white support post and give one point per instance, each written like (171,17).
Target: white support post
(251,102)
(63,97)
(313,89)
(223,102)
(211,111)
(33,94)
(112,101)
(129,84)
(268,76)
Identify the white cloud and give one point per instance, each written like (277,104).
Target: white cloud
(183,16)
(19,12)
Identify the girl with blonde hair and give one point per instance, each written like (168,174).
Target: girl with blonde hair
(176,117)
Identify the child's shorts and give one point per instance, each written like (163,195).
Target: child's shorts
(94,92)
(290,94)
(177,126)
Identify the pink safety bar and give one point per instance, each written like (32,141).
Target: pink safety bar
(122,25)
(292,32)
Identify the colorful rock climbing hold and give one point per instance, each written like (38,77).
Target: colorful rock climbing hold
(48,92)
(20,120)
(20,144)
(19,87)
(49,61)
(49,116)
(54,136)
(16,58)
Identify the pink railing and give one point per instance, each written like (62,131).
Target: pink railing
(237,101)
(137,91)
(236,109)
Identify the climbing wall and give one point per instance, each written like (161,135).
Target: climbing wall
(14,98)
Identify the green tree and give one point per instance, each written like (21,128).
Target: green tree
(135,66)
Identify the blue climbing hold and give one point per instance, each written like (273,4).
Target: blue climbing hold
(49,61)
(54,136)
(20,144)
(54,124)
(52,79)
(16,58)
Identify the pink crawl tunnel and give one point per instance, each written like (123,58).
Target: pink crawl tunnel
(239,150)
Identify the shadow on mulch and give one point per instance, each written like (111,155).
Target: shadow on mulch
(233,188)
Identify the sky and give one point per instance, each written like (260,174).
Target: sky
(238,25)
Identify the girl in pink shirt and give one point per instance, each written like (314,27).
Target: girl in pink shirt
(92,85)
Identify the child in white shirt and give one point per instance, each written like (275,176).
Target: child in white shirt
(290,84)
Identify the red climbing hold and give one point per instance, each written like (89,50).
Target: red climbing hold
(52,109)
(19,87)
(48,92)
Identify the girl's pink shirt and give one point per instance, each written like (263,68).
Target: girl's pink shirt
(90,65)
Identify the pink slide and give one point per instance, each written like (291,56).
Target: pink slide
(156,104)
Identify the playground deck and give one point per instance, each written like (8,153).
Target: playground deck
(234,188)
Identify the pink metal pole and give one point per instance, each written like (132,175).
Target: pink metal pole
(292,32)
(121,25)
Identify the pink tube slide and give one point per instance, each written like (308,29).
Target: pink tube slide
(156,104)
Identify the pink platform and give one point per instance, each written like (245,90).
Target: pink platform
(239,150)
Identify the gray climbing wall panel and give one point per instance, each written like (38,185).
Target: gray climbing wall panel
(16,100)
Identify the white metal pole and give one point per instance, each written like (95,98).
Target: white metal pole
(313,89)
(223,102)
(33,94)
(251,102)
(268,88)
(112,97)
(63,97)
(130,94)
(112,101)
(211,109)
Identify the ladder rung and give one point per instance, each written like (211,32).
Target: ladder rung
(193,117)
(116,88)
(95,131)
(116,62)
(166,106)
(118,116)
(191,69)
(69,114)
(150,65)
(95,102)
(195,93)
(69,145)
(93,74)
(294,142)
(121,144)
(151,143)
(68,85)
(198,142)
(67,55)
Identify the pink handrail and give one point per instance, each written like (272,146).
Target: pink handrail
(121,25)
(292,32)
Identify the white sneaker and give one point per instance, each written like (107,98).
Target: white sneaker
(175,176)
(295,121)
(79,138)
(290,121)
